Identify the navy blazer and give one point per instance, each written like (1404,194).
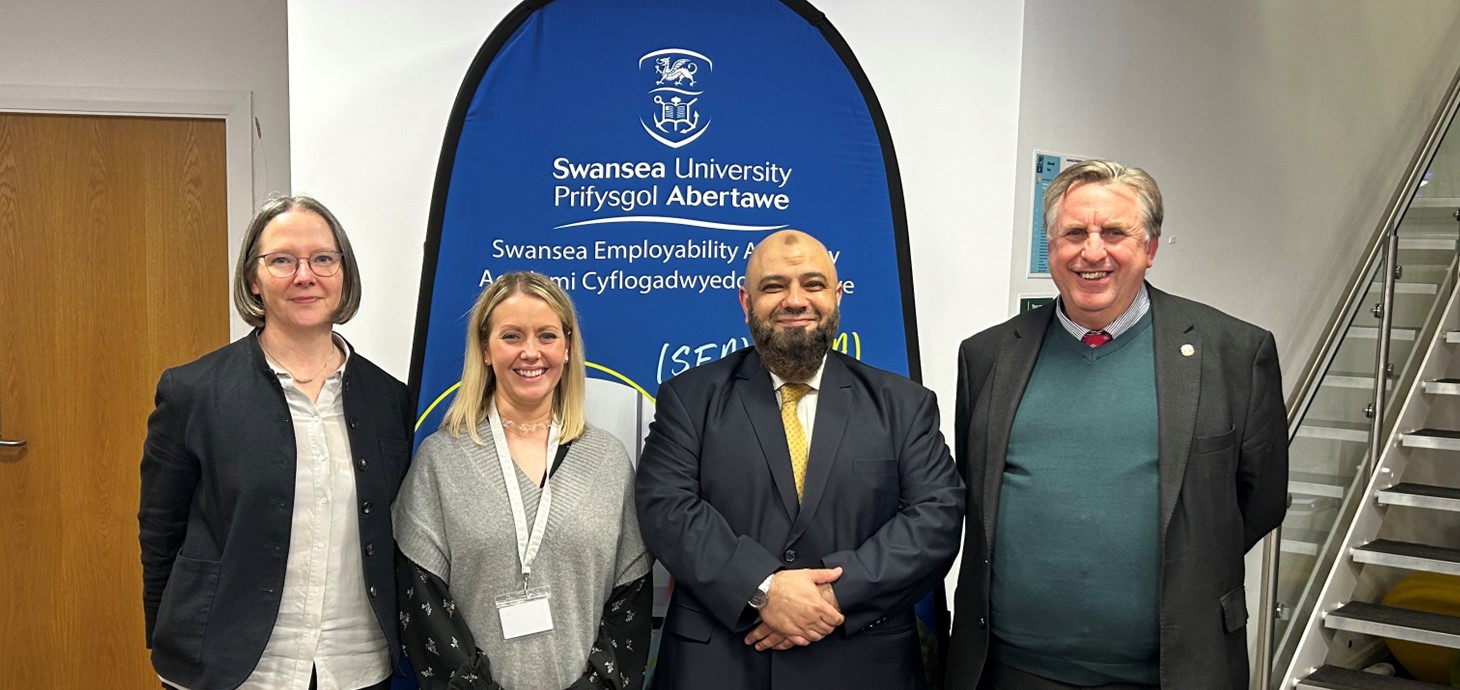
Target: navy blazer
(1223,468)
(717,505)
(217,505)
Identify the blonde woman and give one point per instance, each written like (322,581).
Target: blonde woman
(521,563)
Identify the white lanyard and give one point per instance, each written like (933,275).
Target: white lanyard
(527,544)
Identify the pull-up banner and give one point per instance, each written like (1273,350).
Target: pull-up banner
(636,151)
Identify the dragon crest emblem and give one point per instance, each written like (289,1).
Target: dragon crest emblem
(676,118)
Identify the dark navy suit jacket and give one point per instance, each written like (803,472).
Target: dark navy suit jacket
(217,504)
(717,505)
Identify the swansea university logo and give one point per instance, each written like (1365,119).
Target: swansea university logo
(675,91)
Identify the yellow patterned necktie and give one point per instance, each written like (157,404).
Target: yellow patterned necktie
(791,394)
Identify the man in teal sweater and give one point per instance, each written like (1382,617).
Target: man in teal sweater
(1122,448)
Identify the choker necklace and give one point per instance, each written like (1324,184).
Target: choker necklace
(296,378)
(524,427)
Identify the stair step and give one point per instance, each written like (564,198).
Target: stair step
(1338,431)
(1343,380)
(1402,624)
(1443,387)
(1409,556)
(1372,333)
(1444,202)
(1421,496)
(1304,542)
(1317,484)
(1426,243)
(1438,439)
(1335,678)
(1429,212)
(1408,288)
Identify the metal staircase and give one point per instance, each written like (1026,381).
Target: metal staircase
(1375,449)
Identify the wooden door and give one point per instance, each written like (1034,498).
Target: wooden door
(113,266)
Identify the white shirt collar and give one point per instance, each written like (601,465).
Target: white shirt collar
(1132,314)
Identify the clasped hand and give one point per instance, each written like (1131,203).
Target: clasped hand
(800,609)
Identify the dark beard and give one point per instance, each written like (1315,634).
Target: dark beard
(793,354)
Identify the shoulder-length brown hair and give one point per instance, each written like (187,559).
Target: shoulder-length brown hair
(245,270)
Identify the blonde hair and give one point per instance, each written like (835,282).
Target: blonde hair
(478,383)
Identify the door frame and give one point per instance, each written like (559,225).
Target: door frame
(235,108)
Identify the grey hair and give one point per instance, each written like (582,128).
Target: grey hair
(251,306)
(1107,172)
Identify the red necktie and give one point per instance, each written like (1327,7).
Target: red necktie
(1096,338)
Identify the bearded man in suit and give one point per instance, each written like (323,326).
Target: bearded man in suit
(799,538)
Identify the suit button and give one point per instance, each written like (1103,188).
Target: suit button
(369,549)
(361,464)
(790,555)
(982,623)
(354,423)
(373,591)
(367,507)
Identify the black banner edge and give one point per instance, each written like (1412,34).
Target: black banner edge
(818,20)
(431,248)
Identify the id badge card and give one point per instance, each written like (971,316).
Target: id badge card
(525,613)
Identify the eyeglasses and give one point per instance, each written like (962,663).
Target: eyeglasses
(285,265)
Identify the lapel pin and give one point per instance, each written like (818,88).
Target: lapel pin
(1187,350)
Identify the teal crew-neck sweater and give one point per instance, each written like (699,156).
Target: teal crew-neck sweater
(1076,558)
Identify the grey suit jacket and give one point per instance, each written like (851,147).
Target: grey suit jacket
(1223,479)
(717,505)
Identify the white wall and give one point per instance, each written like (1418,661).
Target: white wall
(1277,130)
(194,45)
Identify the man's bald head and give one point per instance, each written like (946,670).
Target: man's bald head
(798,247)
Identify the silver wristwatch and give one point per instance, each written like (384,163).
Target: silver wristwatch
(762,594)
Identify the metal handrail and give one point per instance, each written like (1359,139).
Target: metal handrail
(1383,246)
(1307,383)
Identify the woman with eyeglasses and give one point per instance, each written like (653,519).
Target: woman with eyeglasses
(267,477)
